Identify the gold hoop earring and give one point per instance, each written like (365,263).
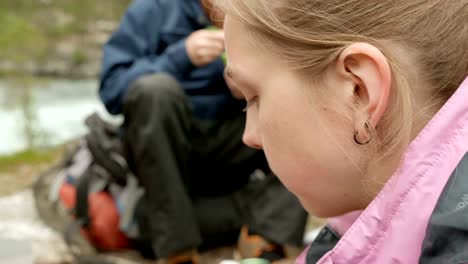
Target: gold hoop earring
(356,133)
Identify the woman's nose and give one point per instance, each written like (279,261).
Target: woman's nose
(251,135)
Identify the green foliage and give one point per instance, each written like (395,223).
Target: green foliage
(30,30)
(30,157)
(19,39)
(79,58)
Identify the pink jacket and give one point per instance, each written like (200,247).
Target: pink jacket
(393,227)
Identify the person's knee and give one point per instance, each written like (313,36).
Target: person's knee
(157,90)
(158,86)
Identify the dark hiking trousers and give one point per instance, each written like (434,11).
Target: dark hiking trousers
(197,174)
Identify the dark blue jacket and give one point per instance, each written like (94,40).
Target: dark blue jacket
(151,39)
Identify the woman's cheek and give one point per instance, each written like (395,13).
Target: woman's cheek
(283,166)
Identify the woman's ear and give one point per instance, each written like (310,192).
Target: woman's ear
(367,69)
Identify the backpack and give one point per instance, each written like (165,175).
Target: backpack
(92,192)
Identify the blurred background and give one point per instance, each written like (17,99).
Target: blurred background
(50,53)
(50,57)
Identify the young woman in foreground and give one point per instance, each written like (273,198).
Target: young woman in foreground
(362,110)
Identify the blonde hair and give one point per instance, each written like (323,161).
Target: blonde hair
(309,35)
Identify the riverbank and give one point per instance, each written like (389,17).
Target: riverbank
(56,38)
(19,171)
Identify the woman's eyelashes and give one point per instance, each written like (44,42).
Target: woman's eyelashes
(251,101)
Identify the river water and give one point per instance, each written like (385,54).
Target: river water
(43,112)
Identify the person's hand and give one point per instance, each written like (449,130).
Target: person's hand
(205,46)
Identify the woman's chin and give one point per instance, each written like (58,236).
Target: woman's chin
(326,210)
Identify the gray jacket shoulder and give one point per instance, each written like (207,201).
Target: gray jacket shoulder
(446,238)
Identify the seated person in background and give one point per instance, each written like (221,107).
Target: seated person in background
(183,134)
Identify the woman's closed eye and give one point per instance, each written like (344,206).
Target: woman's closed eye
(252,101)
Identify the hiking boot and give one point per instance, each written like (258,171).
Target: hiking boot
(255,246)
